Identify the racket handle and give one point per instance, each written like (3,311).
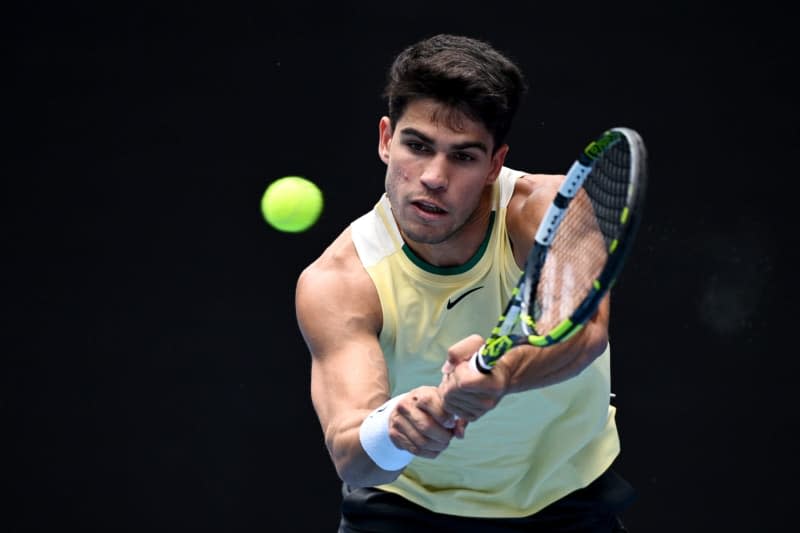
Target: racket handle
(479,364)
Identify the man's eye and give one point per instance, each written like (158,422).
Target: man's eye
(417,147)
(463,156)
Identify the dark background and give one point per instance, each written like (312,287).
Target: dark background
(154,377)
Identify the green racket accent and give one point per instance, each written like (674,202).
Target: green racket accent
(596,148)
(496,347)
(560,333)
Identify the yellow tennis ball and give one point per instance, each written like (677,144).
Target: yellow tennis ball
(292,204)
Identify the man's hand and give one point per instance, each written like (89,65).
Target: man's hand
(467,393)
(421,425)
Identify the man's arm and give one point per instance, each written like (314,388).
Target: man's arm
(339,315)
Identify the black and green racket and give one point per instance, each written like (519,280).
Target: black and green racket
(580,247)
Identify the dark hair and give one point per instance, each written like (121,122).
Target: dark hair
(467,75)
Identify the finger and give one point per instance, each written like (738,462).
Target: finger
(464,412)
(424,446)
(462,351)
(454,400)
(469,405)
(439,422)
(404,435)
(424,425)
(460,428)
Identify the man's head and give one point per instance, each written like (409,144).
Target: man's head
(467,75)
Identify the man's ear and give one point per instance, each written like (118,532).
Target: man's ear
(498,160)
(384,138)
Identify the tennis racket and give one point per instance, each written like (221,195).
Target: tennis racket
(580,247)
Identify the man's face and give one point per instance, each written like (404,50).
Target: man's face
(436,175)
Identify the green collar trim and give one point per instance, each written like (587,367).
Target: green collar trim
(460,269)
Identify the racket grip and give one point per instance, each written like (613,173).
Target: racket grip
(479,364)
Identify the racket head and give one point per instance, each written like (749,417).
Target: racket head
(580,248)
(586,254)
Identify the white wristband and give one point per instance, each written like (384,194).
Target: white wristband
(374,436)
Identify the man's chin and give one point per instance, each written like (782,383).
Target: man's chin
(424,234)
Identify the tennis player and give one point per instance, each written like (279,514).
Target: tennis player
(394,308)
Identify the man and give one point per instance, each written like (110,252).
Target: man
(391,310)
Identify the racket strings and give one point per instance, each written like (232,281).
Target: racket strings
(580,248)
(607,187)
(574,261)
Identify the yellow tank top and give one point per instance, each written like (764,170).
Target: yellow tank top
(535,446)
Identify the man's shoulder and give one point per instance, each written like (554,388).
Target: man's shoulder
(335,288)
(528,184)
(339,256)
(375,234)
(336,269)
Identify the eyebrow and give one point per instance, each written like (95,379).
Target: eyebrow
(460,146)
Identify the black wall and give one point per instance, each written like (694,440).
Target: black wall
(154,377)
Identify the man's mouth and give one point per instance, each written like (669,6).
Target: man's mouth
(429,208)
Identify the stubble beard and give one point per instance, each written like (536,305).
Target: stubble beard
(433,235)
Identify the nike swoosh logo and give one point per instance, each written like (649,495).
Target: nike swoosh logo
(452,303)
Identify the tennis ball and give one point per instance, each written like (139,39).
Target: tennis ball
(292,204)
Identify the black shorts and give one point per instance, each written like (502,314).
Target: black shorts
(595,508)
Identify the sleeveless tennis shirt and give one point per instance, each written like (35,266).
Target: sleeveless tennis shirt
(535,446)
